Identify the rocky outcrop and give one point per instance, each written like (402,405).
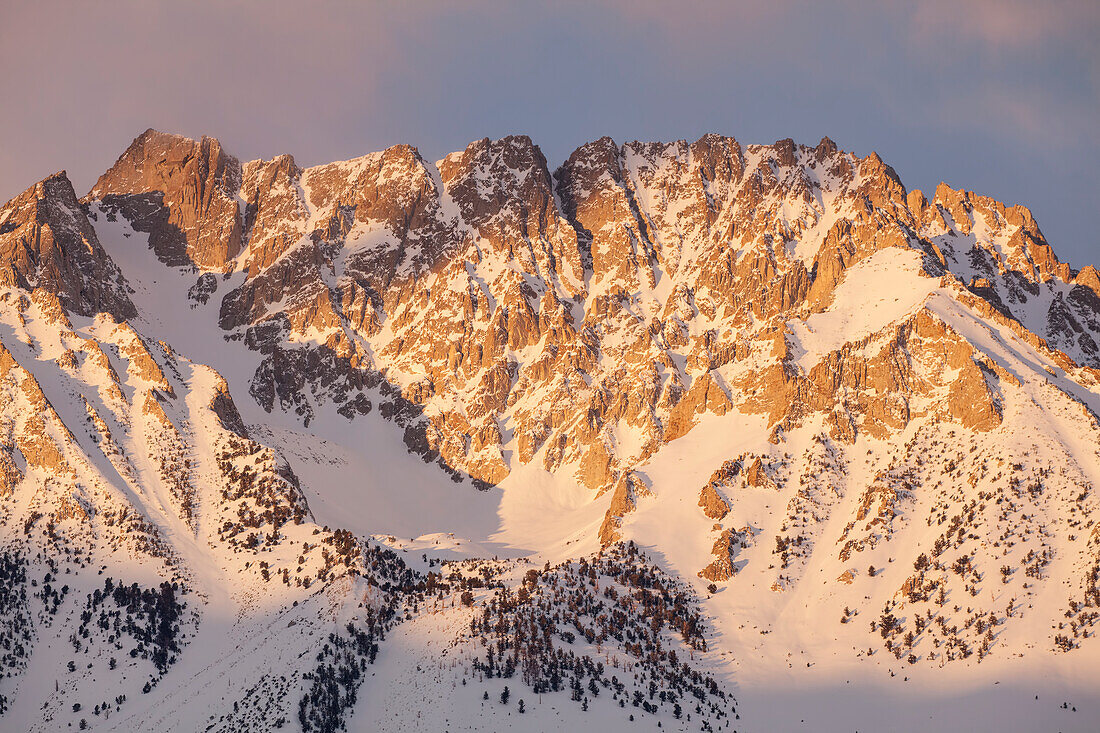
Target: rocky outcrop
(47,242)
(505,194)
(1027,251)
(721,482)
(705,395)
(725,550)
(624,497)
(714,506)
(182,192)
(757,476)
(1089,278)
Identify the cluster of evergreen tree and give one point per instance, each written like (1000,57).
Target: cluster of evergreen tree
(1082,614)
(152,619)
(51,595)
(15,621)
(271,497)
(383,569)
(625,607)
(334,682)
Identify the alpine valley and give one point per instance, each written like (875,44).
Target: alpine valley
(691,436)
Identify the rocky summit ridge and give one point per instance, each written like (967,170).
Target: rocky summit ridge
(636,286)
(764,365)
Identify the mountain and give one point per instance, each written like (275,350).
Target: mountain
(676,433)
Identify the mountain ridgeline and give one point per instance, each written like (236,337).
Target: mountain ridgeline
(685,389)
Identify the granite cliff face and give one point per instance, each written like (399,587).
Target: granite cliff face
(47,242)
(633,290)
(771,364)
(183,193)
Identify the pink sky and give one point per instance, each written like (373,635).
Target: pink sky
(998,96)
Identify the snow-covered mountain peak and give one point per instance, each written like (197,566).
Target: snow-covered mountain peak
(286,446)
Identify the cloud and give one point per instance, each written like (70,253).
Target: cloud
(1007,24)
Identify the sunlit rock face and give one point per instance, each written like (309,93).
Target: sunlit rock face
(510,315)
(46,241)
(183,193)
(773,366)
